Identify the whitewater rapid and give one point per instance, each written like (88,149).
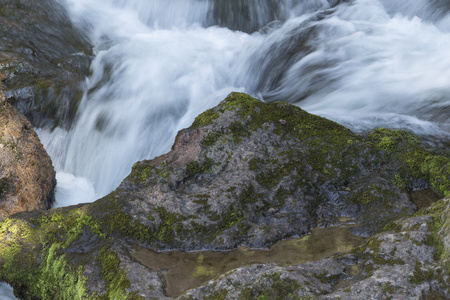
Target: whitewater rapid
(158,64)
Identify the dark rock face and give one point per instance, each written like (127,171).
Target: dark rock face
(27,177)
(247,173)
(44,60)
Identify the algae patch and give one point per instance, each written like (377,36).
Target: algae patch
(186,270)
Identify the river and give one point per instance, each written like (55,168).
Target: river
(159,63)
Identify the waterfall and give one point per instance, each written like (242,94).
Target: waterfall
(158,64)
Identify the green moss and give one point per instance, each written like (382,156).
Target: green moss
(52,276)
(388,288)
(420,274)
(231,189)
(271,177)
(217,295)
(254,164)
(373,195)
(327,146)
(419,163)
(281,196)
(238,132)
(386,143)
(58,279)
(248,195)
(230,219)
(170,224)
(298,123)
(142,171)
(210,139)
(400,182)
(194,168)
(116,222)
(437,168)
(325,277)
(116,279)
(270,172)
(272,286)
(205,118)
(366,197)
(393,226)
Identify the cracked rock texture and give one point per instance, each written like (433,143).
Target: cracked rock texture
(248,173)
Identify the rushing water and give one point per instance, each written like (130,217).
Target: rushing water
(159,63)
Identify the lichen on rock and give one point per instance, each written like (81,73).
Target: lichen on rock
(246,173)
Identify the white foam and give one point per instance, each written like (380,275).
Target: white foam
(372,63)
(6,292)
(73,190)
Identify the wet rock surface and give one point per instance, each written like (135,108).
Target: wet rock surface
(239,176)
(43,60)
(27,177)
(182,270)
(247,173)
(396,264)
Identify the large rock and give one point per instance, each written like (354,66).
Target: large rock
(246,173)
(406,261)
(27,177)
(45,59)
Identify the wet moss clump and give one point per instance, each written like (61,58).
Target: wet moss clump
(142,171)
(275,287)
(194,168)
(289,120)
(116,278)
(419,163)
(205,118)
(35,259)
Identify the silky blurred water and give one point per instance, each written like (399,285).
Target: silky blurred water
(6,292)
(158,64)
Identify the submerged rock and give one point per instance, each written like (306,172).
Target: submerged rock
(239,177)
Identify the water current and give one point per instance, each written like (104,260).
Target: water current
(159,63)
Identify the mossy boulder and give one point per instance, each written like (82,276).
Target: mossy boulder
(246,173)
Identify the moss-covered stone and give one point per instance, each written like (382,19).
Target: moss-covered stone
(205,118)
(419,163)
(245,173)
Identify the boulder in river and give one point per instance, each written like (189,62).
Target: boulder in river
(240,177)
